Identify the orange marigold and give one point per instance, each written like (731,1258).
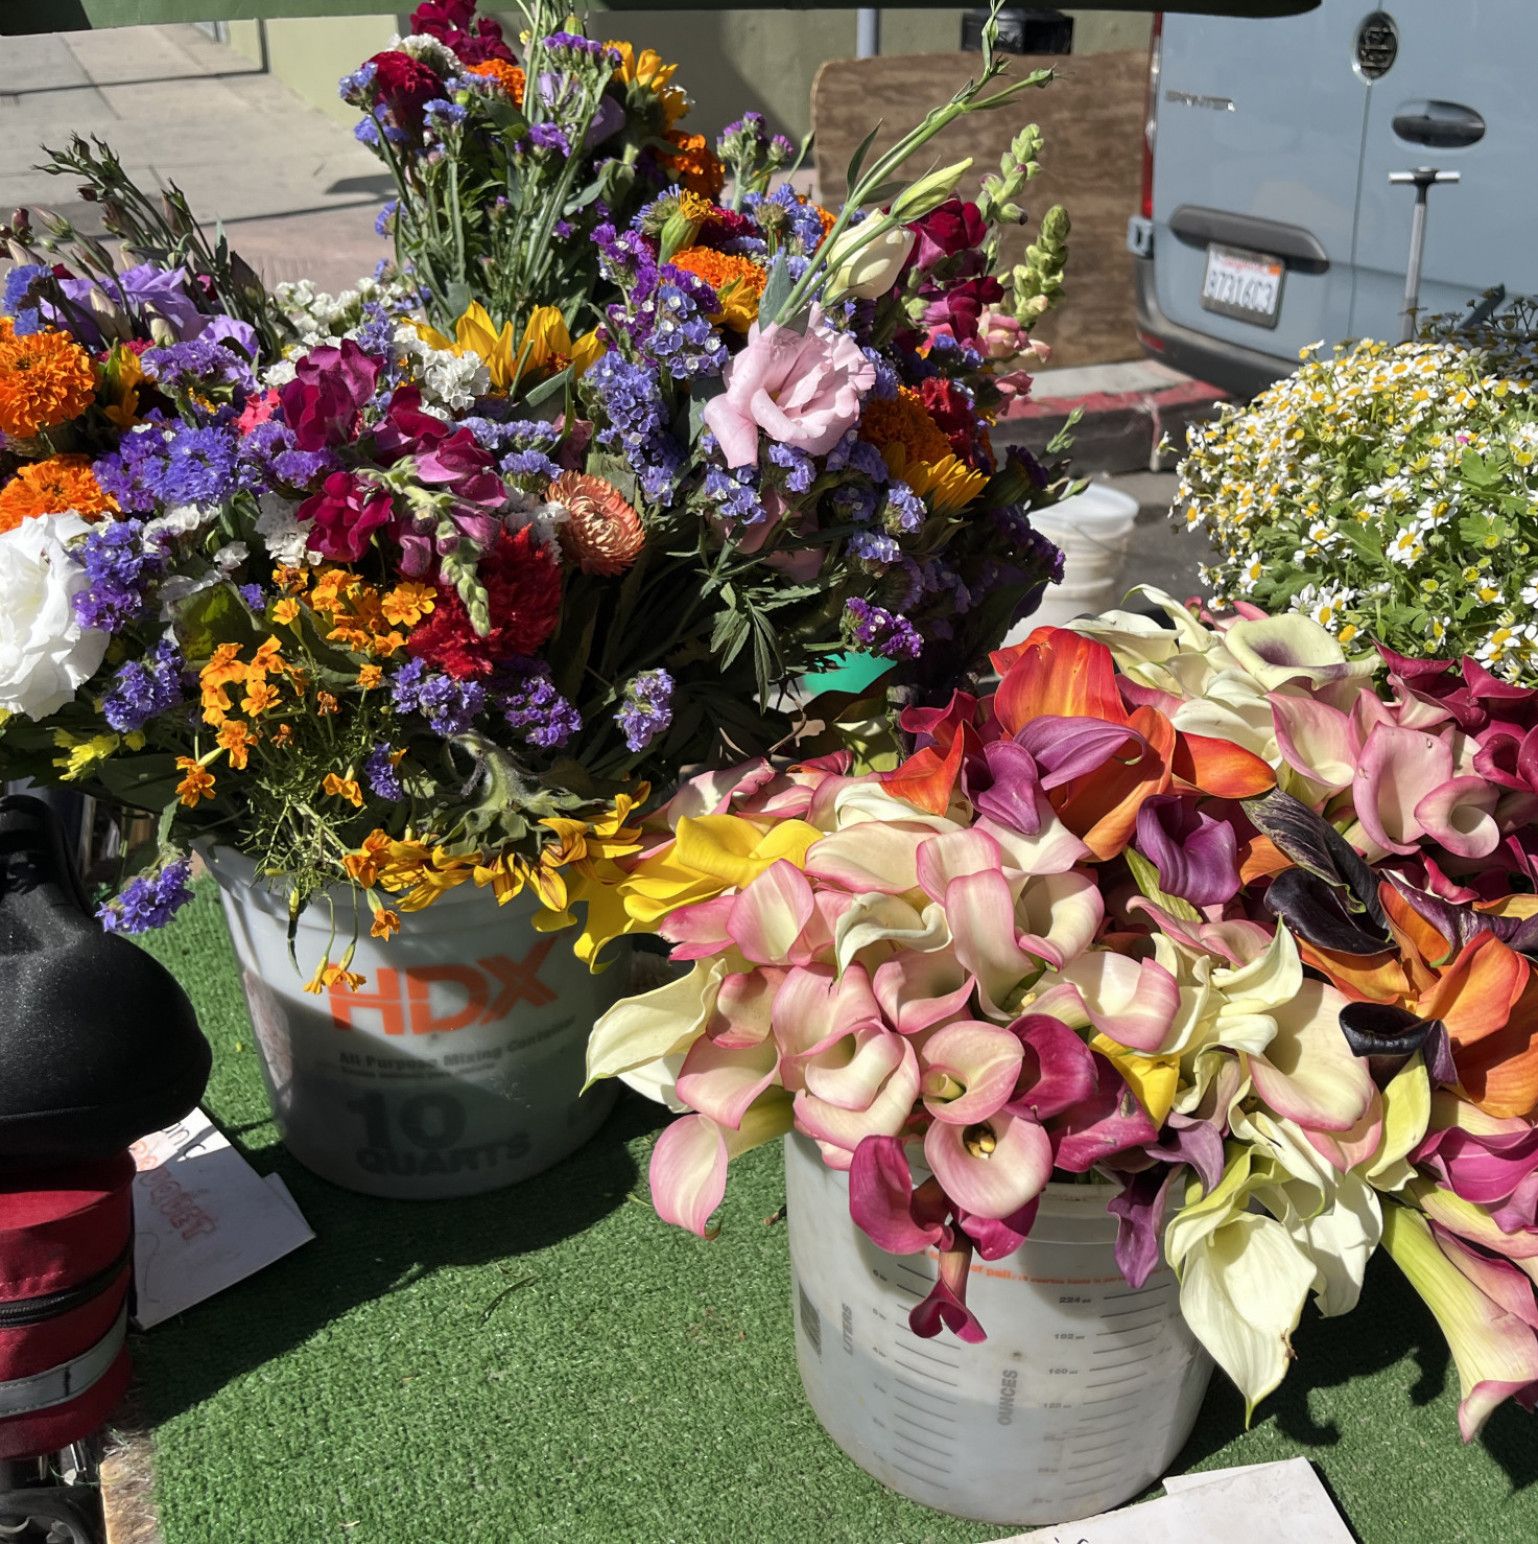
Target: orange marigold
(386,923)
(49,488)
(695,164)
(197,782)
(738,282)
(46,378)
(601,533)
(903,421)
(509,77)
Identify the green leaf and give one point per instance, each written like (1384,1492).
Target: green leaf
(777,288)
(857,160)
(211,617)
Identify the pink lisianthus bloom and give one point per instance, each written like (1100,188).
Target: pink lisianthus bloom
(801,389)
(344,515)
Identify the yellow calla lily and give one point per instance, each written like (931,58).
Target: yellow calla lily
(1154,1079)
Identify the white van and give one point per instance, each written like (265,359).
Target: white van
(1269,221)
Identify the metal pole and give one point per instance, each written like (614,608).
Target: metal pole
(1421,179)
(867,32)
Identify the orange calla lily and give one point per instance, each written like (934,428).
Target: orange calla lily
(1485,994)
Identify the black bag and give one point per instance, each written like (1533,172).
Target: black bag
(98,1043)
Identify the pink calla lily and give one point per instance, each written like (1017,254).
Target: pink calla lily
(970,1070)
(882,1199)
(1058,1069)
(993,1168)
(1396,770)
(918,991)
(767,917)
(1460,815)
(838,1130)
(722,1081)
(1133,1002)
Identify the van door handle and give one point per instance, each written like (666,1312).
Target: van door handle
(1441,125)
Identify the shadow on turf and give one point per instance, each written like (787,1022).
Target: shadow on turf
(365,1249)
(1390,1324)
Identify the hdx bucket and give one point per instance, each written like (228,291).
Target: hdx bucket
(1080,1397)
(1094,529)
(454,1069)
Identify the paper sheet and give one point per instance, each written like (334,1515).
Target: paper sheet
(1282,1503)
(203,1219)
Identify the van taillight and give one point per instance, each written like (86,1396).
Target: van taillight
(1151,112)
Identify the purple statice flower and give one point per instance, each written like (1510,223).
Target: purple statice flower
(254,596)
(358,87)
(202,467)
(547,137)
(646,709)
(887,379)
(199,361)
(380,772)
(743,137)
(449,706)
(671,324)
(148,900)
(801,220)
(734,494)
(629,396)
(145,688)
(537,711)
(904,509)
(366,132)
(134,473)
(442,116)
(799,468)
(854,502)
(571,48)
(879,631)
(119,568)
(16,297)
(375,332)
(859,456)
(623,257)
(871,547)
(268,455)
(384,220)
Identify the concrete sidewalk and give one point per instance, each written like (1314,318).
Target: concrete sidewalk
(295,193)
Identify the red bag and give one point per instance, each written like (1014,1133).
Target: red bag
(66,1247)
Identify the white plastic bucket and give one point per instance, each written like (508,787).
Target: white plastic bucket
(1081,1396)
(1094,529)
(454,1069)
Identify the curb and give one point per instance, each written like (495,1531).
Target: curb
(1117,431)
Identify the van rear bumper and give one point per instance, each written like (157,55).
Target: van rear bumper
(1237,370)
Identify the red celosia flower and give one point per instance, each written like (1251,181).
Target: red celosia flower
(450,22)
(405,86)
(523,591)
(952,410)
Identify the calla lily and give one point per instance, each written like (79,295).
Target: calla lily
(882,1199)
(1279,651)
(970,1071)
(992,1168)
(1496,1352)
(1307,1072)
(1490,1161)
(1243,1280)
(665,1021)
(689,1162)
(1197,856)
(1398,769)
(1133,1002)
(880,1064)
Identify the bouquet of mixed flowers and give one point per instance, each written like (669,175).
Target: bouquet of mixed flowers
(558,507)
(1211,911)
(1386,492)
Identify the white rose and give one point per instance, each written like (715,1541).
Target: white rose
(45,654)
(865,268)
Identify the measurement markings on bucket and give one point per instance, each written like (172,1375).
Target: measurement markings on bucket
(928,1447)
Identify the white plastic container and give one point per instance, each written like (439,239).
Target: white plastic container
(1094,529)
(454,1069)
(1081,1396)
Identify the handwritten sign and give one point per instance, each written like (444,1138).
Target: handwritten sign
(1282,1503)
(203,1219)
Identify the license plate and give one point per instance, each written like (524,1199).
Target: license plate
(1245,285)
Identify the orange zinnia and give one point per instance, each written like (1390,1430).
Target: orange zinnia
(46,378)
(509,77)
(695,164)
(50,488)
(738,282)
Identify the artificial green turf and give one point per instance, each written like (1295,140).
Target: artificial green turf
(553,1363)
